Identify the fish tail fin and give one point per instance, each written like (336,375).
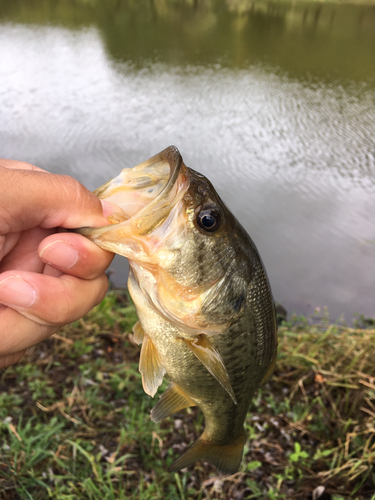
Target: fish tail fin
(225,457)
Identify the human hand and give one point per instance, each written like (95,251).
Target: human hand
(48,278)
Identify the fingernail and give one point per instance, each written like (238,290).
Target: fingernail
(60,254)
(15,291)
(110,208)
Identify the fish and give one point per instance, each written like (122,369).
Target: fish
(206,315)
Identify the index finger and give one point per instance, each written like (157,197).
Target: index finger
(74,254)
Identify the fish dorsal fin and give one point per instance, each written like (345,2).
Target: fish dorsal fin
(150,367)
(226,457)
(171,401)
(138,333)
(270,370)
(211,359)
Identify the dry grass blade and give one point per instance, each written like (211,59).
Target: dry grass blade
(74,420)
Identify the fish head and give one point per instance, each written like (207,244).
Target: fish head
(187,251)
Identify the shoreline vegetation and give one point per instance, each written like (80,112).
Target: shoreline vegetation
(74,420)
(335,38)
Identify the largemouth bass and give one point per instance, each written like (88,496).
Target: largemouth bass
(206,314)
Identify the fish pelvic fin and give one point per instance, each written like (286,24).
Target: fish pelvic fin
(211,359)
(138,333)
(225,457)
(171,401)
(150,367)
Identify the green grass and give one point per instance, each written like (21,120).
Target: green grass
(74,420)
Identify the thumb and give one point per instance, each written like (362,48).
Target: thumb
(33,198)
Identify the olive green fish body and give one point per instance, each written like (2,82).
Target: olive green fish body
(205,308)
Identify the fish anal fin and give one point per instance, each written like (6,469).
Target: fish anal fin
(225,457)
(267,377)
(171,401)
(150,367)
(138,333)
(211,359)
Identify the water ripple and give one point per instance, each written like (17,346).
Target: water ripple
(295,160)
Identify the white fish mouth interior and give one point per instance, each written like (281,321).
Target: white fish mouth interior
(138,189)
(134,189)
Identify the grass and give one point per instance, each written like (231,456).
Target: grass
(74,420)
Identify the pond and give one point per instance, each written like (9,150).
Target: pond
(273,101)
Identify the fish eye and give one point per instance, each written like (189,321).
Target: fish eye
(209,220)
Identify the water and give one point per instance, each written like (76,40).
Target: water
(273,102)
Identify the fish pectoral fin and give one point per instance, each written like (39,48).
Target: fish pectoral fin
(270,370)
(226,457)
(211,359)
(150,367)
(138,333)
(171,401)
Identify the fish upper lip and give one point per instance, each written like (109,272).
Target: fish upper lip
(173,156)
(157,210)
(174,159)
